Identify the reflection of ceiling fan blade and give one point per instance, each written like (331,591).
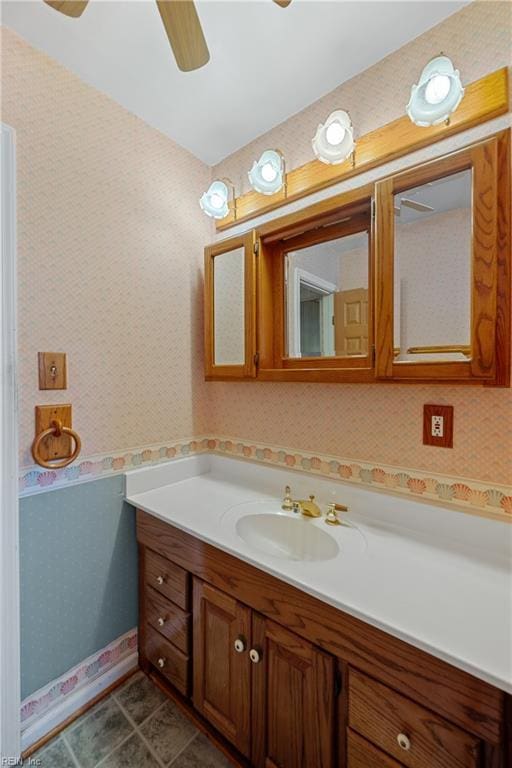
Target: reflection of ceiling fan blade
(396,209)
(73,8)
(282,3)
(185,34)
(415,204)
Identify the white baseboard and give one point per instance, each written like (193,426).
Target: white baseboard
(67,706)
(59,699)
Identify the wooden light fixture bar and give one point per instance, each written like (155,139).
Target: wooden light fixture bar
(483,100)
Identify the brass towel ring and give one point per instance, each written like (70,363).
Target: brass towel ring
(56,429)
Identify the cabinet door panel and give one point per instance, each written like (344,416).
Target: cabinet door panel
(293,700)
(437,273)
(221,674)
(230,308)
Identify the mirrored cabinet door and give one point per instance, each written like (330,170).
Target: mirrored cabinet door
(437,265)
(327,297)
(229,308)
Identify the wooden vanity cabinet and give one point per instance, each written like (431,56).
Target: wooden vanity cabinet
(268,691)
(291,682)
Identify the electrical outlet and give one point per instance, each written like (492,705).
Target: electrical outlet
(438,425)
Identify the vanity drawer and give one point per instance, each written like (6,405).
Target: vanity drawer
(415,736)
(172,622)
(362,754)
(168,660)
(167,578)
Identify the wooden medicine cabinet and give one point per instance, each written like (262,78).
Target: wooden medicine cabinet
(230,308)
(404,279)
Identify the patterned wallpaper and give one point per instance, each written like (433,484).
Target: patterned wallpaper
(478,40)
(110,241)
(110,271)
(379,423)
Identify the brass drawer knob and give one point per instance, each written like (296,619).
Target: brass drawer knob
(161,663)
(255,656)
(160,621)
(160,579)
(240,645)
(403,741)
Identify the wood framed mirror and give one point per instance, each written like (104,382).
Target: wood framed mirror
(315,295)
(230,308)
(437,252)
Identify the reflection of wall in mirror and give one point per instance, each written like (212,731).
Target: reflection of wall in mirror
(229,320)
(432,286)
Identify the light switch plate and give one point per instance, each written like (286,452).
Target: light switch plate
(438,425)
(52,370)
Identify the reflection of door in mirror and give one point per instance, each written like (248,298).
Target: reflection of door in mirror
(327,298)
(351,322)
(229,308)
(432,269)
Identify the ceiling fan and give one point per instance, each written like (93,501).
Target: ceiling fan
(181,24)
(414,204)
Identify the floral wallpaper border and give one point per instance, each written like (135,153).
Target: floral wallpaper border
(473,495)
(40,702)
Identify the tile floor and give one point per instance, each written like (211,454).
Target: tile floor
(136,726)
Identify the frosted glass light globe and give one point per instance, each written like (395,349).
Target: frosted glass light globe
(267,175)
(333,141)
(437,89)
(438,93)
(335,133)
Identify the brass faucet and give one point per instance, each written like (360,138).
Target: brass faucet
(309,508)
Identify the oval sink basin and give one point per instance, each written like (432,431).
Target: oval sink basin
(289,538)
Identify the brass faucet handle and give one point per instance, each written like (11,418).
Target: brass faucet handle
(331,518)
(287,504)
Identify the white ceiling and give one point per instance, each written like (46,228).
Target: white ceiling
(267,63)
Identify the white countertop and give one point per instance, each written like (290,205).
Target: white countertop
(438,579)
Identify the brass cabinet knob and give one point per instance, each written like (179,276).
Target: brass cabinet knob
(240,645)
(160,621)
(255,656)
(403,742)
(160,579)
(161,663)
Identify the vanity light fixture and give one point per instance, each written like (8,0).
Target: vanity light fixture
(438,93)
(334,140)
(215,202)
(267,174)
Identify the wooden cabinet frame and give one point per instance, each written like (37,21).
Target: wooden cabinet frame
(482,159)
(489,358)
(248,368)
(344,215)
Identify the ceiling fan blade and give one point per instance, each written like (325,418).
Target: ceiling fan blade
(73,8)
(416,205)
(185,34)
(282,3)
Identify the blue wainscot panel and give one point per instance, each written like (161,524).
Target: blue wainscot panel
(78,558)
